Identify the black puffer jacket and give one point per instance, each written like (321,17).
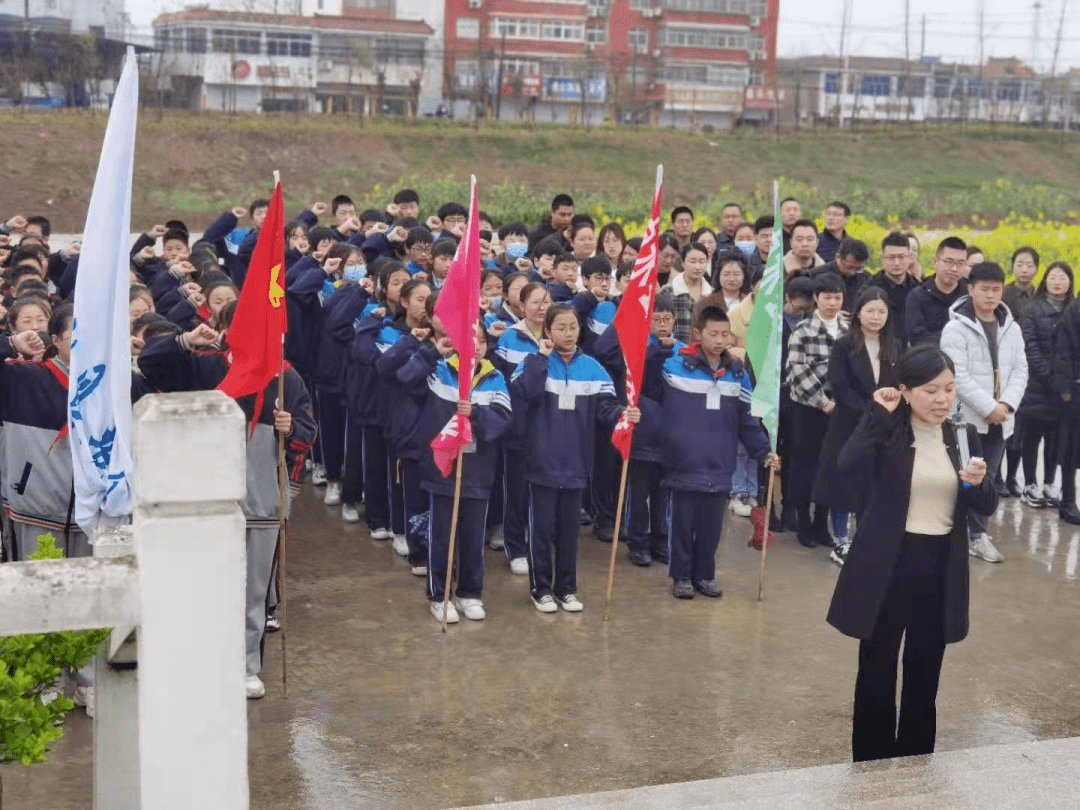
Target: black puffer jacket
(1040,329)
(1067,358)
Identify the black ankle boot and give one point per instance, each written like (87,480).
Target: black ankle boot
(1069,513)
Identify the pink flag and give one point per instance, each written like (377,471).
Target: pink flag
(634,318)
(458,308)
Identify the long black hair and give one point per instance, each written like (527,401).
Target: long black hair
(917,366)
(889,343)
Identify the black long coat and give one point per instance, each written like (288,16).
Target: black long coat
(851,380)
(868,569)
(1039,329)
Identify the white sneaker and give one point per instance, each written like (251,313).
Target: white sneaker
(84,696)
(571,603)
(472,608)
(419,570)
(333,493)
(350,513)
(495,539)
(381,534)
(451,612)
(255,687)
(740,505)
(546,603)
(839,553)
(401,545)
(1032,496)
(519,566)
(1052,495)
(318,475)
(980,546)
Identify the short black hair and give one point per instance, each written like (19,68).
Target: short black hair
(19,272)
(318,234)
(407,195)
(372,215)
(596,266)
(418,235)
(177,223)
(800,287)
(175,235)
(728,205)
(761,223)
(689,246)
(548,246)
(340,200)
(485,236)
(257,204)
(667,240)
(41,222)
(854,248)
(561,200)
(843,206)
(789,199)
(513,229)
(484,216)
(708,314)
(828,283)
(444,247)
(452,209)
(681,209)
(804,223)
(895,239)
(973,249)
(951,243)
(986,271)
(579,220)
(634,242)
(664,303)
(565,257)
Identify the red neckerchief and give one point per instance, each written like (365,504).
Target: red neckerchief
(62,378)
(694,350)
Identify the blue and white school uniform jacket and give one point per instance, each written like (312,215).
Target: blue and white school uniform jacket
(363,395)
(564,403)
(401,412)
(433,381)
(700,417)
(35,456)
(595,316)
(517,343)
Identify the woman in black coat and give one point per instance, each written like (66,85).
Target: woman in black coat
(860,362)
(1067,386)
(907,571)
(1041,410)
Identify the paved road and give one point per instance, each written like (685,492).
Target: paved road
(385,712)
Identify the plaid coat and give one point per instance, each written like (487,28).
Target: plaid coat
(808,361)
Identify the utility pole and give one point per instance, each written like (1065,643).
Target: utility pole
(922,42)
(499,79)
(1053,65)
(1036,7)
(842,88)
(907,59)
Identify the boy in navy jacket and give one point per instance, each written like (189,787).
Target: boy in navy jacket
(698,402)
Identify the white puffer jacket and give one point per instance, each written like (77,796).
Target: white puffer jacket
(964,340)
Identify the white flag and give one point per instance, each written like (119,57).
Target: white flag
(99,392)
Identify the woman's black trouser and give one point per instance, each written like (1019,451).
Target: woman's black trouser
(914,612)
(1035,431)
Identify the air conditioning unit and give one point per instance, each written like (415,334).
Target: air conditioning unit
(757,55)
(475,4)
(755,21)
(656,54)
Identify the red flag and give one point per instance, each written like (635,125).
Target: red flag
(259,323)
(634,318)
(458,308)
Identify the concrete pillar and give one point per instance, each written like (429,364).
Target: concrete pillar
(189,474)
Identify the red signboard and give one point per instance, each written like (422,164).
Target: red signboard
(763,98)
(518,84)
(241,69)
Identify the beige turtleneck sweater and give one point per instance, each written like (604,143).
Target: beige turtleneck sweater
(933,483)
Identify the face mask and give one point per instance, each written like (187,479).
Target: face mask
(747,248)
(496,301)
(515,250)
(355,273)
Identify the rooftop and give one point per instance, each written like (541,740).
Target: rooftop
(380,25)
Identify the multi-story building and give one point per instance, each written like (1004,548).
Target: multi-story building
(683,62)
(243,61)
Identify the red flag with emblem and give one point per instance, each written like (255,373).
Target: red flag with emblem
(259,323)
(458,308)
(634,317)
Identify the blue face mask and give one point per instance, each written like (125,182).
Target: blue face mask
(747,248)
(515,250)
(496,301)
(355,273)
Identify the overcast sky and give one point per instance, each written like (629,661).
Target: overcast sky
(877,28)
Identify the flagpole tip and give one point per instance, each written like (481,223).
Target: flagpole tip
(277,177)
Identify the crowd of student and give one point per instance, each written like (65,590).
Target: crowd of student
(373,379)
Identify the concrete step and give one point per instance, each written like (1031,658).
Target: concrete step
(1024,776)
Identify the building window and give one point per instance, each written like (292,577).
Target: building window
(703,38)
(468,28)
(515,29)
(520,67)
(1008,91)
(565,30)
(713,75)
(639,39)
(195,40)
(709,6)
(911,86)
(399,51)
(596,34)
(942,86)
(832,82)
(757,78)
(288,44)
(875,85)
(640,5)
(227,40)
(759,8)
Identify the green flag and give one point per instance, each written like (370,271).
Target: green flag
(766,329)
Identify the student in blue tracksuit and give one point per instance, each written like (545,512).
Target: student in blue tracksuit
(567,396)
(643,521)
(376,332)
(563,286)
(401,415)
(432,375)
(520,340)
(698,402)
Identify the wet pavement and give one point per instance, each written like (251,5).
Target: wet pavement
(386,712)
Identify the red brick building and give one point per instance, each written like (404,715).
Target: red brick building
(681,62)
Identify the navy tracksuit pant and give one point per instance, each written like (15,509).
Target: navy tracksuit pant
(352,476)
(515,503)
(469,544)
(553,527)
(416,511)
(695,520)
(331,438)
(376,479)
(645,509)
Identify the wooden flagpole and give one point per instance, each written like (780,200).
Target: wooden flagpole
(615,538)
(283,505)
(453,538)
(765,535)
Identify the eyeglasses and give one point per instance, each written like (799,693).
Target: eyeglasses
(955,264)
